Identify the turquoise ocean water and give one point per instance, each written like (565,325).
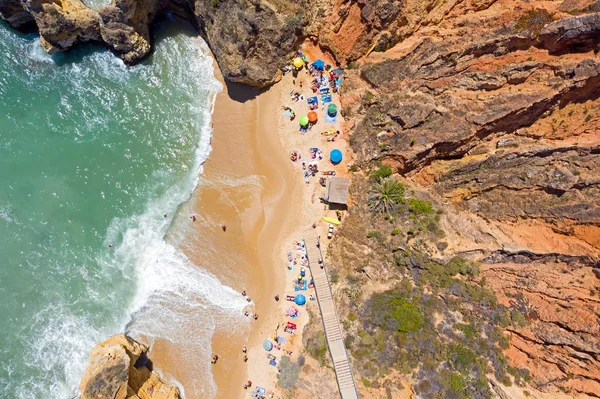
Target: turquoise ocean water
(94,153)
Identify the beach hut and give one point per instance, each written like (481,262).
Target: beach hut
(300,300)
(332,109)
(298,62)
(303,121)
(268,345)
(337,193)
(319,64)
(335,156)
(312,117)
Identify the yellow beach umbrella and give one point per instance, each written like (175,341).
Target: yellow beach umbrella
(298,63)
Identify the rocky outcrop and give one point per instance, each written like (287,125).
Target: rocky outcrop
(492,109)
(572,34)
(558,344)
(119,369)
(250,39)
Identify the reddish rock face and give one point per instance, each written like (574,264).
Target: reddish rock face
(492,108)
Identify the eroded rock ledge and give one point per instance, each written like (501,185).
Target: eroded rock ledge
(119,369)
(249,38)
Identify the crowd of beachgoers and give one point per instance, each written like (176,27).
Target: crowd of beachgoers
(313,97)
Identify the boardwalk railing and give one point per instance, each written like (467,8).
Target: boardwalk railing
(333,330)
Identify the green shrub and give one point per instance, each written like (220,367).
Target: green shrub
(317,346)
(385,195)
(468,330)
(374,234)
(462,358)
(420,207)
(395,232)
(458,384)
(383,172)
(334,276)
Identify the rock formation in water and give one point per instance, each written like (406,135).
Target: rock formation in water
(119,369)
(251,40)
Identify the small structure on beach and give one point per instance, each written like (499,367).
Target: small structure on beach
(337,190)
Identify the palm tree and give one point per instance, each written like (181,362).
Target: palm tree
(385,194)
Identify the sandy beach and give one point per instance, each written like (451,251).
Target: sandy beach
(250,185)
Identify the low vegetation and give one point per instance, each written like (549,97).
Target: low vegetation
(434,320)
(289,371)
(534,20)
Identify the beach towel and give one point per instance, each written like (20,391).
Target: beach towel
(326,98)
(287,113)
(330,119)
(312,100)
(302,287)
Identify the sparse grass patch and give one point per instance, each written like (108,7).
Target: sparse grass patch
(534,20)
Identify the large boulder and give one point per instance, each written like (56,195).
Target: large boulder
(119,369)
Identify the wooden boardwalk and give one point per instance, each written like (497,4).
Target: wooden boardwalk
(333,330)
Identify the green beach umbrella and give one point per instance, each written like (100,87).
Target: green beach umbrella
(332,109)
(303,121)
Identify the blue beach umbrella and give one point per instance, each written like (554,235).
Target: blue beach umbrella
(300,300)
(319,64)
(268,345)
(335,156)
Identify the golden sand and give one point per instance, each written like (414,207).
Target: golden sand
(250,185)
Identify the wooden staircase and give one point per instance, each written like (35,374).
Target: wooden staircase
(333,330)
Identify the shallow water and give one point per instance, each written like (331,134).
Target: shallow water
(92,154)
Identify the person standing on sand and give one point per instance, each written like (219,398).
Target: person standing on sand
(224,227)
(244,349)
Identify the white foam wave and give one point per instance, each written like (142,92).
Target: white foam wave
(172,296)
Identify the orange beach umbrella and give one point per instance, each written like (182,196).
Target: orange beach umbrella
(312,116)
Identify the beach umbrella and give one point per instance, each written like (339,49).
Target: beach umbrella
(268,345)
(298,62)
(332,109)
(300,300)
(319,64)
(312,116)
(335,156)
(303,121)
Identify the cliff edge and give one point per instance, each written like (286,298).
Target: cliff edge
(251,40)
(119,369)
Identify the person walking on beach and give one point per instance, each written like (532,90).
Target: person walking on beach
(224,227)
(244,349)
(214,359)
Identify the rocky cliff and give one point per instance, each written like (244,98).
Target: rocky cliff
(251,40)
(119,369)
(491,107)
